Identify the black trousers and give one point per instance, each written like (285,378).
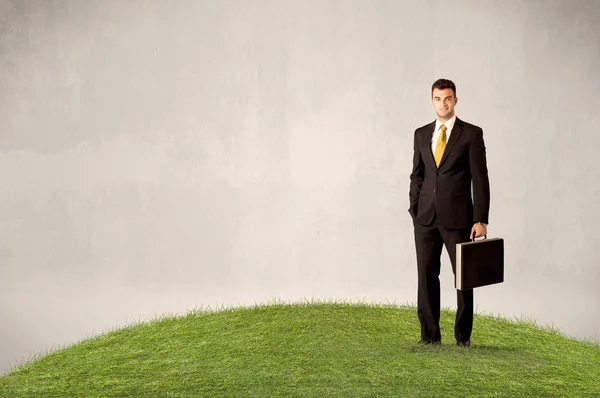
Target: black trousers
(429,241)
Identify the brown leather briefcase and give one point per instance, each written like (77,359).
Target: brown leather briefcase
(479,263)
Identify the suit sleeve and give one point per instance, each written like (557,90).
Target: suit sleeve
(416,179)
(479,175)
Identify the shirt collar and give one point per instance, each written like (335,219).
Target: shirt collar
(449,124)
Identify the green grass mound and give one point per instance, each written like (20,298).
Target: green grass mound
(312,350)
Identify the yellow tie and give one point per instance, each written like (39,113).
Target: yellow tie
(440,146)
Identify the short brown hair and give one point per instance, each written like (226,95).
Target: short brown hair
(442,84)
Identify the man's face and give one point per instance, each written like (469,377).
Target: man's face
(444,102)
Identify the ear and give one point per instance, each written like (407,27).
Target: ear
(455,100)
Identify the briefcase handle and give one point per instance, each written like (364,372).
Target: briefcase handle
(484,238)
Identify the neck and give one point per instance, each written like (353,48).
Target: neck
(445,119)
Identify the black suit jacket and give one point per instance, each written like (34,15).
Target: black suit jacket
(446,191)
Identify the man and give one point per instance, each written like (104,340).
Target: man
(449,159)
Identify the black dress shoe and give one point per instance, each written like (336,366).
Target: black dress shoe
(464,343)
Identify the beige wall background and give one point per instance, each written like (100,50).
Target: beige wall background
(157,156)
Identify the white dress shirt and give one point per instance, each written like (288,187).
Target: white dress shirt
(436,133)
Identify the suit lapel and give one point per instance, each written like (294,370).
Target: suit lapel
(427,144)
(454,136)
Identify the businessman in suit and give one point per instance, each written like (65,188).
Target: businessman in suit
(449,204)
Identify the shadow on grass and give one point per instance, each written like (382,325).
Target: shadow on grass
(453,348)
